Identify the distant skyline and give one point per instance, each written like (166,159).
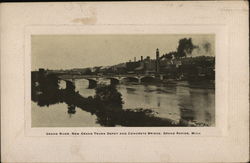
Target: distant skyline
(81,51)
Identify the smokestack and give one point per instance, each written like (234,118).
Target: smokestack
(141,58)
(134,59)
(157,53)
(157,62)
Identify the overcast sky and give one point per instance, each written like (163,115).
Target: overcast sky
(80,51)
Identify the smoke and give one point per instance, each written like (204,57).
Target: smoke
(185,47)
(203,48)
(207,47)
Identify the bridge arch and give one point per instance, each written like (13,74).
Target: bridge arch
(131,79)
(147,79)
(70,85)
(114,81)
(92,83)
(73,83)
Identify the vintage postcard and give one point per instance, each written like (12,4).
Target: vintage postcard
(125,82)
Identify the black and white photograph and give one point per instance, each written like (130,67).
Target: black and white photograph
(162,81)
(113,80)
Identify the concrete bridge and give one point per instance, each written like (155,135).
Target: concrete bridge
(114,79)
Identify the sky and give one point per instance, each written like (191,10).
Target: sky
(81,51)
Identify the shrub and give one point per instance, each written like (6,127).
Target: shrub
(109,96)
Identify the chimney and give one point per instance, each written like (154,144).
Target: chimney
(134,59)
(141,58)
(157,54)
(157,61)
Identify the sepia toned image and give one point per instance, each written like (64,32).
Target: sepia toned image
(97,81)
(139,80)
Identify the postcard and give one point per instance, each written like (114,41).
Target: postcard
(125,82)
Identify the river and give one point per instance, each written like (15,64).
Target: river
(175,101)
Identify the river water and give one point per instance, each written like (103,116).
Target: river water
(173,101)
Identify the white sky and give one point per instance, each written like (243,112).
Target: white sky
(80,51)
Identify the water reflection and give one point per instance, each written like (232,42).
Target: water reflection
(57,116)
(178,101)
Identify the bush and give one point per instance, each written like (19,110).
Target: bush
(109,96)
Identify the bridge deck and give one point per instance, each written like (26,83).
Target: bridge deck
(64,77)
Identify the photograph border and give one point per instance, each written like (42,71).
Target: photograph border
(220,32)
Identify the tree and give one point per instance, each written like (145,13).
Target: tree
(109,96)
